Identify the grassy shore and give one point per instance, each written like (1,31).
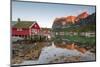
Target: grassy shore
(79,39)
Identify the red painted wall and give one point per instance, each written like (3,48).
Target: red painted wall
(36,28)
(23,32)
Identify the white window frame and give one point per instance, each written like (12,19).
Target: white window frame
(19,29)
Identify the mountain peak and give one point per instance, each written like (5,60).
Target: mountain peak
(71,19)
(82,16)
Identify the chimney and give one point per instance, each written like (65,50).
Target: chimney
(18,19)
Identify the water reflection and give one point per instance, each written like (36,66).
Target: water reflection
(55,52)
(64,52)
(70,45)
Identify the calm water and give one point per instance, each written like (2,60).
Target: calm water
(56,53)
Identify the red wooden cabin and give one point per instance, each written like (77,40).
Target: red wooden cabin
(25,28)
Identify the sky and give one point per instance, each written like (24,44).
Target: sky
(45,13)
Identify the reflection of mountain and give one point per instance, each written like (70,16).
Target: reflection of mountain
(71,46)
(80,22)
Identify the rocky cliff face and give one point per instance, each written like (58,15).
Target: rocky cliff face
(73,19)
(65,20)
(90,19)
(82,16)
(83,19)
(70,19)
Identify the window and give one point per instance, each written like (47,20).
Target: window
(34,31)
(19,29)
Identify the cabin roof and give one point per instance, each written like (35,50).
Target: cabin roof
(24,24)
(43,29)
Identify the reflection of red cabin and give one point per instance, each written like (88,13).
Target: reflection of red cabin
(25,28)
